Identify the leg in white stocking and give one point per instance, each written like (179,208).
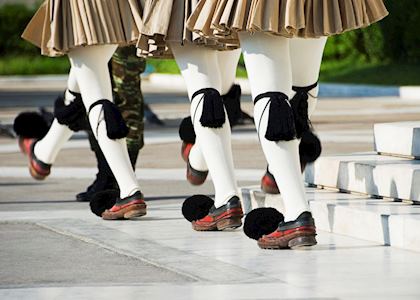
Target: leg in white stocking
(267,60)
(228,62)
(90,66)
(47,149)
(306,58)
(199,68)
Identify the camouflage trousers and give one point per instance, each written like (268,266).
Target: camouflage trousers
(125,68)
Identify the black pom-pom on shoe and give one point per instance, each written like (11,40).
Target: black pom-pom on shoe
(186,131)
(310,147)
(30,125)
(261,221)
(196,207)
(102,201)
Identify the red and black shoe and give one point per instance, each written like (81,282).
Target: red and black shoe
(128,208)
(228,216)
(38,169)
(268,183)
(293,234)
(195,177)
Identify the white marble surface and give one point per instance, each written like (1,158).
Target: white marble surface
(368,173)
(228,265)
(398,138)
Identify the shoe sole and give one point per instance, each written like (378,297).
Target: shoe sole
(225,224)
(35,175)
(294,242)
(127,213)
(269,190)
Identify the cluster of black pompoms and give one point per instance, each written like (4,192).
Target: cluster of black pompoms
(102,201)
(72,115)
(310,147)
(281,123)
(30,125)
(261,221)
(299,105)
(196,207)
(186,131)
(115,124)
(213,115)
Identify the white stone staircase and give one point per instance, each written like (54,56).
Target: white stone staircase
(365,195)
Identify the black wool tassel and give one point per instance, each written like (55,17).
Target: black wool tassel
(186,131)
(102,201)
(281,123)
(310,147)
(196,207)
(72,115)
(261,221)
(232,102)
(30,125)
(213,115)
(300,108)
(115,124)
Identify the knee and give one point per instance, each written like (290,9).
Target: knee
(116,127)
(73,115)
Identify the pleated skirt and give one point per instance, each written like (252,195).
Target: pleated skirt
(164,22)
(223,19)
(60,25)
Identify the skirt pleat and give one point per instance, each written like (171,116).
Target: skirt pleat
(164,22)
(215,19)
(60,25)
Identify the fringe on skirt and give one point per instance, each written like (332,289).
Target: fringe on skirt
(164,22)
(60,25)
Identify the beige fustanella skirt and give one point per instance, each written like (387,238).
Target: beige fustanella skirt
(164,22)
(60,25)
(223,19)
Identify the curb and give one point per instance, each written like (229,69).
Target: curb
(174,84)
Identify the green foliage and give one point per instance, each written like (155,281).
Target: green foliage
(33,65)
(13,20)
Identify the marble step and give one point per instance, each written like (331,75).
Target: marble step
(399,139)
(387,223)
(368,173)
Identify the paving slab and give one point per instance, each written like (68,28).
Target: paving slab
(218,265)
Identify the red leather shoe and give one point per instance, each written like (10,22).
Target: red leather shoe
(128,208)
(38,169)
(195,177)
(268,183)
(228,216)
(293,234)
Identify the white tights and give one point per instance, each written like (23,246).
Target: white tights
(213,151)
(90,73)
(274,64)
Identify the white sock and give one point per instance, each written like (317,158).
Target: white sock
(228,62)
(306,58)
(48,148)
(199,67)
(91,68)
(267,60)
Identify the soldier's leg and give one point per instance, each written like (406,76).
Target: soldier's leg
(126,69)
